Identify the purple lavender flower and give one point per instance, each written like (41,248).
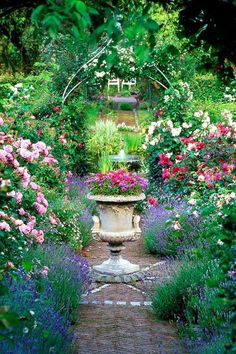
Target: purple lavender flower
(169,230)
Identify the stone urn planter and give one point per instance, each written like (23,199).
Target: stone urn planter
(116,224)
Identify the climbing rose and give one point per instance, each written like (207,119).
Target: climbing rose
(4,226)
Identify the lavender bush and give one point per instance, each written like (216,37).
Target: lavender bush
(41,329)
(170,229)
(68,273)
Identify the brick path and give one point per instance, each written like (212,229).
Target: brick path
(118,318)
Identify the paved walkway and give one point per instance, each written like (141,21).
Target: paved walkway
(118,318)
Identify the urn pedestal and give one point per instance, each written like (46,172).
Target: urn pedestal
(116,224)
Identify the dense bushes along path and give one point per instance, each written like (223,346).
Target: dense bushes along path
(117,318)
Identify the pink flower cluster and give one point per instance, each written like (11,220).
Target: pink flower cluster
(116,183)
(15,155)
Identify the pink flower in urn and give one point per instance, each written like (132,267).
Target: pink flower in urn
(41,209)
(4,226)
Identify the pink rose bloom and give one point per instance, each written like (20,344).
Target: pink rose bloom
(67,189)
(34,186)
(25,229)
(41,199)
(18,222)
(41,209)
(25,143)
(10,265)
(3,156)
(50,160)
(57,171)
(4,226)
(16,163)
(17,195)
(25,180)
(53,219)
(69,174)
(8,148)
(3,215)
(22,212)
(38,236)
(1,121)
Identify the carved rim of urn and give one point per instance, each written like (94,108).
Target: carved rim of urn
(116,198)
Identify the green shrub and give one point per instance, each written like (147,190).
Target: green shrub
(125,106)
(192,295)
(132,142)
(103,138)
(207,87)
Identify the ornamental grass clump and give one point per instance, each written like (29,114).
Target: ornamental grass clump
(117,183)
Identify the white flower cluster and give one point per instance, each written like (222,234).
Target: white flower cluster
(230,94)
(19,89)
(225,198)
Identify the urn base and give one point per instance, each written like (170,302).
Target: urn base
(116,267)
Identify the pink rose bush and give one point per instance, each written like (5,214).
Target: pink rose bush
(118,182)
(23,206)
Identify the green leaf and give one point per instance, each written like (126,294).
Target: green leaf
(81,7)
(37,12)
(26,265)
(8,319)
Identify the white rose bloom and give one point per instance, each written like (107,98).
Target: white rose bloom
(159,123)
(205,125)
(176,225)
(191,147)
(201,178)
(213,128)
(198,114)
(192,201)
(166,98)
(153,142)
(186,125)
(19,85)
(220,243)
(170,123)
(176,131)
